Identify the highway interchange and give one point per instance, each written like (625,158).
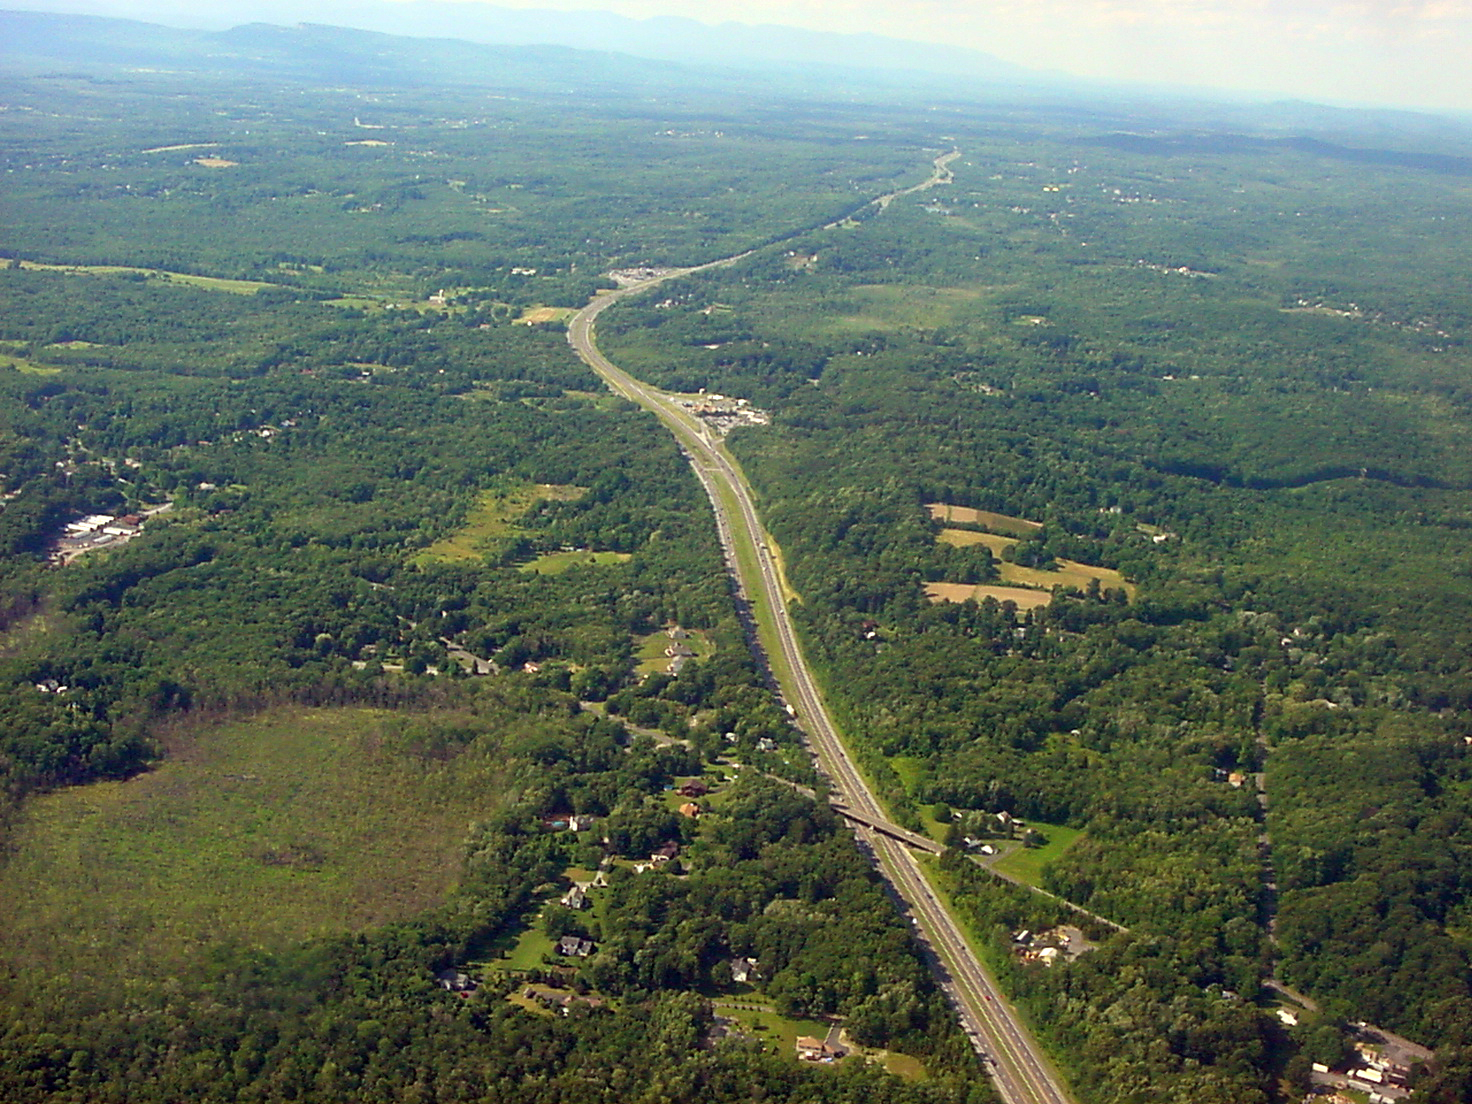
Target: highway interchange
(1019,1068)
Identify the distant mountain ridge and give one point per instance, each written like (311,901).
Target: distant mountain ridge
(35,43)
(664,38)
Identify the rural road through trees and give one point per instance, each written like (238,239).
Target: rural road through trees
(1018,1066)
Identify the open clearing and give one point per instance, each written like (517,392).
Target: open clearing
(965,538)
(1026,863)
(1023,598)
(208,283)
(215,162)
(535,315)
(1069,574)
(649,651)
(891,307)
(21,364)
(491,522)
(294,823)
(185,146)
(997,523)
(778,1032)
(555,563)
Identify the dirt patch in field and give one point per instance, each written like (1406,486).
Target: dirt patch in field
(964,592)
(215,162)
(368,142)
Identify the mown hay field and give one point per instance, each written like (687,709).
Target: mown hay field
(997,523)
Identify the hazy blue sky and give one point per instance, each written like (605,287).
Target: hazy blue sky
(1393,51)
(1410,52)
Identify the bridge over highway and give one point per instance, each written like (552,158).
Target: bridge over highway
(886,828)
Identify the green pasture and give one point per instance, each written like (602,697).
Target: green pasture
(1026,863)
(555,563)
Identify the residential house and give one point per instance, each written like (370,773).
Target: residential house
(810,1049)
(575,946)
(575,898)
(454,981)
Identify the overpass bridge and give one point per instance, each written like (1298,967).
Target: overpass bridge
(886,828)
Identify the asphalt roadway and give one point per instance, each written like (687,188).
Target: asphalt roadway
(1018,1066)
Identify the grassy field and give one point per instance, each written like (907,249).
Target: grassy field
(966,538)
(1005,524)
(491,522)
(30,367)
(778,1032)
(526,953)
(533,316)
(297,822)
(868,307)
(1026,863)
(1069,574)
(208,283)
(555,563)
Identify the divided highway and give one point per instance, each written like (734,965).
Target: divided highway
(1017,1063)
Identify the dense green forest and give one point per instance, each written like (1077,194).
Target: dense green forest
(313,338)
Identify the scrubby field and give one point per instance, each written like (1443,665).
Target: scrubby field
(297,822)
(492,521)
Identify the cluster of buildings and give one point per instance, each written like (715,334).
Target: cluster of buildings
(95,532)
(628,277)
(724,414)
(679,651)
(1063,942)
(1380,1068)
